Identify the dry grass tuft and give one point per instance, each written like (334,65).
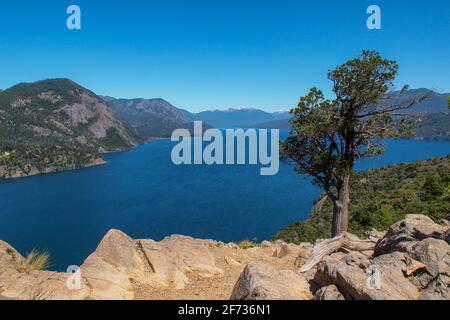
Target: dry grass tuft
(36,261)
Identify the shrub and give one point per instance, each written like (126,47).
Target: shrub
(36,261)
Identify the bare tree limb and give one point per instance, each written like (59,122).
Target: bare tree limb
(343,241)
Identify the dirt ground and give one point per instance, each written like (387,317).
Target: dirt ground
(220,287)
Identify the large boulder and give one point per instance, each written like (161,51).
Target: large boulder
(259,281)
(119,262)
(112,268)
(412,229)
(435,256)
(176,256)
(438,289)
(360,278)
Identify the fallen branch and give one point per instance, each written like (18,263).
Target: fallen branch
(344,241)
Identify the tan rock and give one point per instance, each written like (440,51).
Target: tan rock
(414,228)
(281,251)
(434,254)
(328,293)
(413,266)
(233,245)
(179,254)
(303,255)
(259,281)
(232,262)
(438,289)
(107,282)
(375,234)
(10,258)
(124,254)
(111,269)
(266,244)
(360,278)
(42,285)
(15,283)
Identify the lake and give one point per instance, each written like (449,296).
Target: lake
(143,194)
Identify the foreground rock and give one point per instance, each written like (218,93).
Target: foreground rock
(353,274)
(411,261)
(406,232)
(261,282)
(328,293)
(120,261)
(18,283)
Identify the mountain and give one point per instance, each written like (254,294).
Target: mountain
(432,115)
(55,125)
(437,103)
(434,126)
(277,124)
(244,117)
(151,117)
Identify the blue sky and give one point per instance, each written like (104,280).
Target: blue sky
(218,54)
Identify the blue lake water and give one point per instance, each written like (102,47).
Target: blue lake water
(142,193)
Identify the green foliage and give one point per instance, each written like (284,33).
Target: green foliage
(382,197)
(247,244)
(38,135)
(433,188)
(327,137)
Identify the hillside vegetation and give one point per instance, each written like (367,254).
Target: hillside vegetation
(382,197)
(434,126)
(55,125)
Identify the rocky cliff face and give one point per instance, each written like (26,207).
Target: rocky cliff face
(411,261)
(151,117)
(56,125)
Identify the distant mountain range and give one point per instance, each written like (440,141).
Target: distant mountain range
(437,103)
(159,118)
(150,117)
(55,125)
(432,114)
(244,117)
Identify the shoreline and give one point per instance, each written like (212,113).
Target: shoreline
(100,161)
(96,162)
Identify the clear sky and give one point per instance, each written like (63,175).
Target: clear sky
(218,54)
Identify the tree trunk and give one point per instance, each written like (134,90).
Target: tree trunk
(341,207)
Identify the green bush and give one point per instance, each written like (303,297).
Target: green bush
(382,197)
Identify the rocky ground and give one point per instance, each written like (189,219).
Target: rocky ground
(410,261)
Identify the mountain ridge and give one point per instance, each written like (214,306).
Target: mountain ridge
(432,115)
(55,125)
